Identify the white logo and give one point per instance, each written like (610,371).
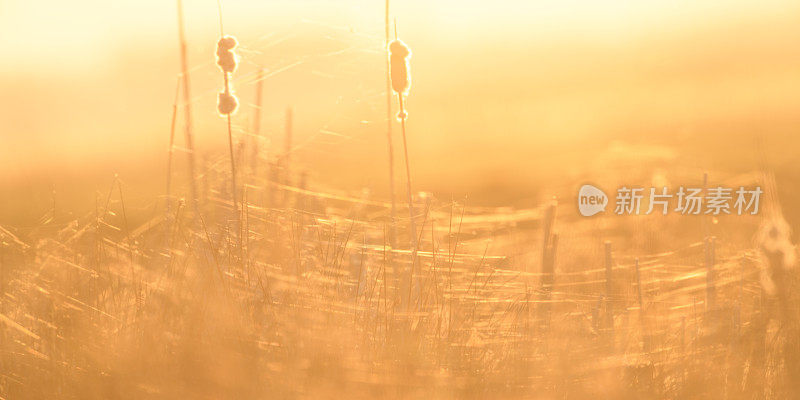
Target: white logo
(687,200)
(591,200)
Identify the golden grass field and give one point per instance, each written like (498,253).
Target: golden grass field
(285,267)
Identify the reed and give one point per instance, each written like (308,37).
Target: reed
(227,104)
(171,149)
(401,82)
(389,141)
(187,105)
(256,134)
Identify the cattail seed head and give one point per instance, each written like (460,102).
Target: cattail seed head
(226,58)
(227,103)
(398,57)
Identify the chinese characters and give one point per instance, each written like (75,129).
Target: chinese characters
(689,201)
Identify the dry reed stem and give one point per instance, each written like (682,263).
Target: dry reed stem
(412,222)
(257,121)
(234,185)
(393,236)
(171,150)
(187,105)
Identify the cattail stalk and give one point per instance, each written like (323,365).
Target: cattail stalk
(393,236)
(187,105)
(172,145)
(412,222)
(408,173)
(234,186)
(226,105)
(257,119)
(398,58)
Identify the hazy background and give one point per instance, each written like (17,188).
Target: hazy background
(506,96)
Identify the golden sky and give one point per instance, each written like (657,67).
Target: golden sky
(94,80)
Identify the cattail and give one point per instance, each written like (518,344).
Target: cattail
(401,80)
(227,103)
(227,61)
(398,56)
(226,58)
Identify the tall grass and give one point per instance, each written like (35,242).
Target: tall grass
(312,309)
(308,304)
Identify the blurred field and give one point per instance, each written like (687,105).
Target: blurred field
(314,302)
(110,288)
